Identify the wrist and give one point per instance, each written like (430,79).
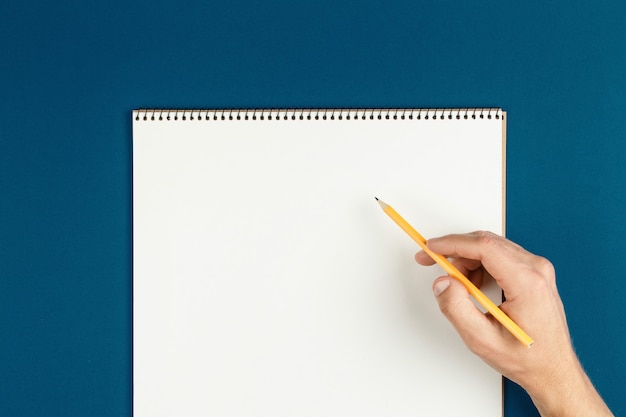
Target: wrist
(571,394)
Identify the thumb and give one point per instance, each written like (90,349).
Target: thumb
(455,303)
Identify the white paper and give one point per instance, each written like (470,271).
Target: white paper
(268,282)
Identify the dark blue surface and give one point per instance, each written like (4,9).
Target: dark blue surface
(71,72)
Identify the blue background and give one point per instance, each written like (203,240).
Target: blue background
(70,73)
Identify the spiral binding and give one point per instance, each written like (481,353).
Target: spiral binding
(317,114)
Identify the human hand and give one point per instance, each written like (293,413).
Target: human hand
(549,370)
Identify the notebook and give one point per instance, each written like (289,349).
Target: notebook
(268,282)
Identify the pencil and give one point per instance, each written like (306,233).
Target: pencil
(478,295)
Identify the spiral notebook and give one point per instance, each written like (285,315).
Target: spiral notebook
(268,282)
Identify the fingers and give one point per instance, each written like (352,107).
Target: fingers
(507,262)
(476,245)
(471,268)
(423,258)
(476,330)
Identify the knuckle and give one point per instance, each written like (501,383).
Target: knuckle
(544,266)
(487,239)
(449,307)
(541,272)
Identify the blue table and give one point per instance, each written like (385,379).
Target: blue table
(71,72)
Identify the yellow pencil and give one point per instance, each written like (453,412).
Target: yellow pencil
(456,274)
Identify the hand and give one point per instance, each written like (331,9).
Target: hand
(549,370)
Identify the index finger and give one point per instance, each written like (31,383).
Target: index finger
(506,261)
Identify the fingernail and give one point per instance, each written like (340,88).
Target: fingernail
(441,286)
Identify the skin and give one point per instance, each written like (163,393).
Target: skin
(549,370)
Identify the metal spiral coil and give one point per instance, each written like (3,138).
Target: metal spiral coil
(341,114)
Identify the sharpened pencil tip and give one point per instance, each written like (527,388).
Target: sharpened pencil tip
(381,203)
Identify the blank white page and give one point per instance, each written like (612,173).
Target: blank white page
(268,281)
